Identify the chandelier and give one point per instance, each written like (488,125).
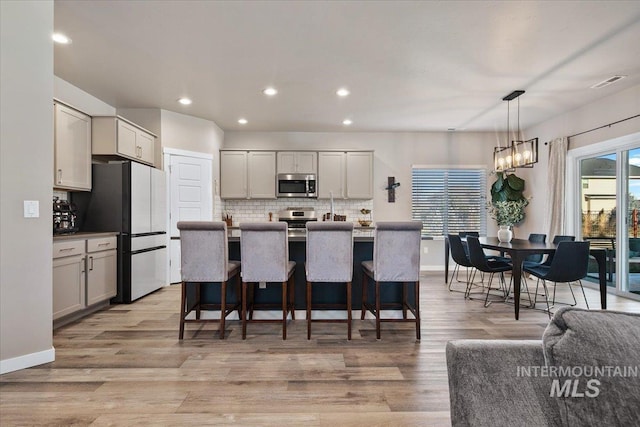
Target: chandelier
(518,152)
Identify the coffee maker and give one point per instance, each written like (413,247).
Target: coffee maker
(65,215)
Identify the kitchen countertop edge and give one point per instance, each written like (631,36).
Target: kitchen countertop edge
(83,235)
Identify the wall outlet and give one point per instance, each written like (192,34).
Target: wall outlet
(425,250)
(262,285)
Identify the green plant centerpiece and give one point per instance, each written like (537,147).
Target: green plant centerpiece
(507,202)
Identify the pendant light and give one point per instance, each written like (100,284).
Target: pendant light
(517,153)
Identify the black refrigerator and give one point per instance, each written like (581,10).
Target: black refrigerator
(130,198)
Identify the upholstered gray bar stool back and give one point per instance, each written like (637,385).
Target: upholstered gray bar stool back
(264,250)
(396,258)
(329,259)
(204,254)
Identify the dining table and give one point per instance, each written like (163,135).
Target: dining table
(519,249)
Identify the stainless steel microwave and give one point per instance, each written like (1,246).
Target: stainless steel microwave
(296,185)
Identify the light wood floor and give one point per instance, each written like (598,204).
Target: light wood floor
(125,366)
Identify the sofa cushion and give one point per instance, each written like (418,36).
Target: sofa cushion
(599,352)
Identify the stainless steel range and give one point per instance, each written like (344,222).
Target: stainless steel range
(297,218)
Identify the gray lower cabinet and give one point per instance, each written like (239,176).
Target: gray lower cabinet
(101,269)
(69,277)
(84,273)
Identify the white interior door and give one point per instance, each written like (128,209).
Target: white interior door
(190,198)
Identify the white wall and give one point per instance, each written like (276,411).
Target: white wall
(26,173)
(79,99)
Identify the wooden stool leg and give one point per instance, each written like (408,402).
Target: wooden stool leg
(183,303)
(251,295)
(223,307)
(417,306)
(378,309)
(404,299)
(348,310)
(284,310)
(308,310)
(239,295)
(244,310)
(365,282)
(292,297)
(198,289)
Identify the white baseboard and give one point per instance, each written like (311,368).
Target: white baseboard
(27,361)
(432,268)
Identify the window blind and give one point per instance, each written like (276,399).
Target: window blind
(448,201)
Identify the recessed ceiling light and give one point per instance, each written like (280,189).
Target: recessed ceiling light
(243,121)
(184,101)
(342,92)
(270,91)
(347,122)
(60,38)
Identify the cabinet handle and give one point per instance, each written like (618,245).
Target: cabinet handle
(59,176)
(83,265)
(104,244)
(66,249)
(90,263)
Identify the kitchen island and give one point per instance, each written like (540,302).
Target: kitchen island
(332,293)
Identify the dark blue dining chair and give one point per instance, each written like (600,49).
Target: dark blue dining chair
(556,239)
(569,264)
(487,265)
(536,238)
(460,254)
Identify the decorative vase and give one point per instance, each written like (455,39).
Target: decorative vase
(505,234)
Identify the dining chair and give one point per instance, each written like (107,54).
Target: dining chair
(536,238)
(570,264)
(329,260)
(396,258)
(487,265)
(556,239)
(460,254)
(264,251)
(204,261)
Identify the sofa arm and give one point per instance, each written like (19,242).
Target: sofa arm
(489,387)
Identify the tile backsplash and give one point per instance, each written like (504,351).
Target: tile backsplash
(62,195)
(258,210)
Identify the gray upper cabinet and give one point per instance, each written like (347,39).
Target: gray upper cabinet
(116,136)
(247,174)
(346,175)
(297,162)
(72,149)
(359,175)
(331,175)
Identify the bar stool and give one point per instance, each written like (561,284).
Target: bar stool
(204,259)
(329,259)
(396,258)
(264,250)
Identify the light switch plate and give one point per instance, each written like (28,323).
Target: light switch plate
(31,209)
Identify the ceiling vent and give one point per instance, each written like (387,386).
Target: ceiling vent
(607,82)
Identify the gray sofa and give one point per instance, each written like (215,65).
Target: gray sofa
(584,372)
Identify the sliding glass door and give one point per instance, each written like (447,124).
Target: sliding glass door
(605,181)
(598,200)
(632,229)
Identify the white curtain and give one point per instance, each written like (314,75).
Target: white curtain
(555,204)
